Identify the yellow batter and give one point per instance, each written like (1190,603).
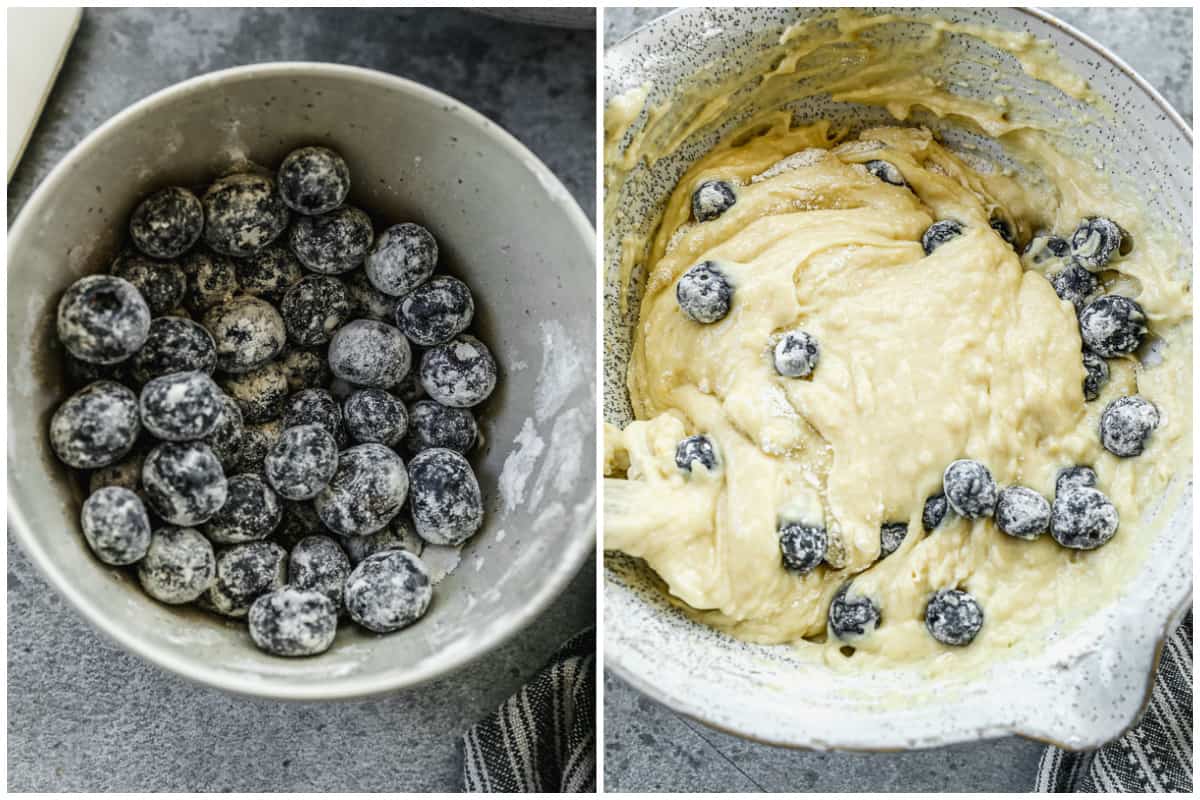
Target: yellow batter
(965,353)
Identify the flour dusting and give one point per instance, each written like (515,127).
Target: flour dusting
(562,370)
(518,466)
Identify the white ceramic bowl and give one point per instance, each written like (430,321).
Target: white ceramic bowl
(505,225)
(1085,686)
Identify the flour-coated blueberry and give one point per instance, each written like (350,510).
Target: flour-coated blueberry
(436,311)
(934,511)
(1069,477)
(315,407)
(244,573)
(313,309)
(96,426)
(162,284)
(257,440)
(250,513)
(103,319)
(444,497)
(115,525)
(369,353)
(404,257)
(373,415)
(259,393)
(460,373)
(298,522)
(803,546)
(367,491)
(704,293)
(852,616)
(304,369)
(243,214)
(1095,375)
(388,591)
(712,199)
(211,280)
(178,567)
(1045,247)
(269,273)
(969,488)
(1082,518)
(248,333)
(891,536)
(318,564)
(1021,512)
(409,389)
(796,354)
(184,482)
(181,406)
(225,439)
(334,242)
(953,617)
(313,180)
(698,448)
(302,462)
(939,233)
(367,302)
(167,223)
(126,474)
(1112,325)
(290,622)
(1004,229)
(431,424)
(1075,284)
(398,535)
(174,344)
(885,171)
(1126,424)
(1095,242)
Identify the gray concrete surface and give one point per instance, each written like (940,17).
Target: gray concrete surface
(650,748)
(85,716)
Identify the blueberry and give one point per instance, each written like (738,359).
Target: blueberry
(174,344)
(796,354)
(243,214)
(1126,424)
(409,389)
(1075,285)
(1022,512)
(181,406)
(436,311)
(1069,477)
(803,546)
(939,233)
(304,369)
(969,489)
(126,474)
(953,617)
(257,441)
(260,393)
(446,504)
(313,309)
(315,407)
(712,199)
(388,591)
(696,448)
(370,353)
(167,223)
(398,535)
(403,258)
(302,462)
(298,521)
(318,564)
(102,319)
(313,180)
(432,424)
(269,273)
(1046,246)
(1004,229)
(162,284)
(460,373)
(373,415)
(1082,518)
(116,525)
(367,302)
(290,622)
(178,567)
(250,513)
(96,426)
(934,511)
(226,437)
(885,171)
(211,280)
(1095,375)
(184,482)
(1112,326)
(245,573)
(704,293)
(334,242)
(851,618)
(1095,242)
(366,492)
(891,536)
(247,332)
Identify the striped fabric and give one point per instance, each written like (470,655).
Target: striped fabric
(543,738)
(1156,756)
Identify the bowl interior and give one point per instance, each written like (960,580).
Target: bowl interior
(504,224)
(1082,686)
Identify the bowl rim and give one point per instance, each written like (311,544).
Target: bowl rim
(681,704)
(277,687)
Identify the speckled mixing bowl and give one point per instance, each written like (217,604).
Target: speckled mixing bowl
(505,225)
(1085,685)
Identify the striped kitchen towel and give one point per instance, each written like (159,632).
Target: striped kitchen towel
(543,738)
(1156,756)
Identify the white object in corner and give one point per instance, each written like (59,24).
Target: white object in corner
(38,39)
